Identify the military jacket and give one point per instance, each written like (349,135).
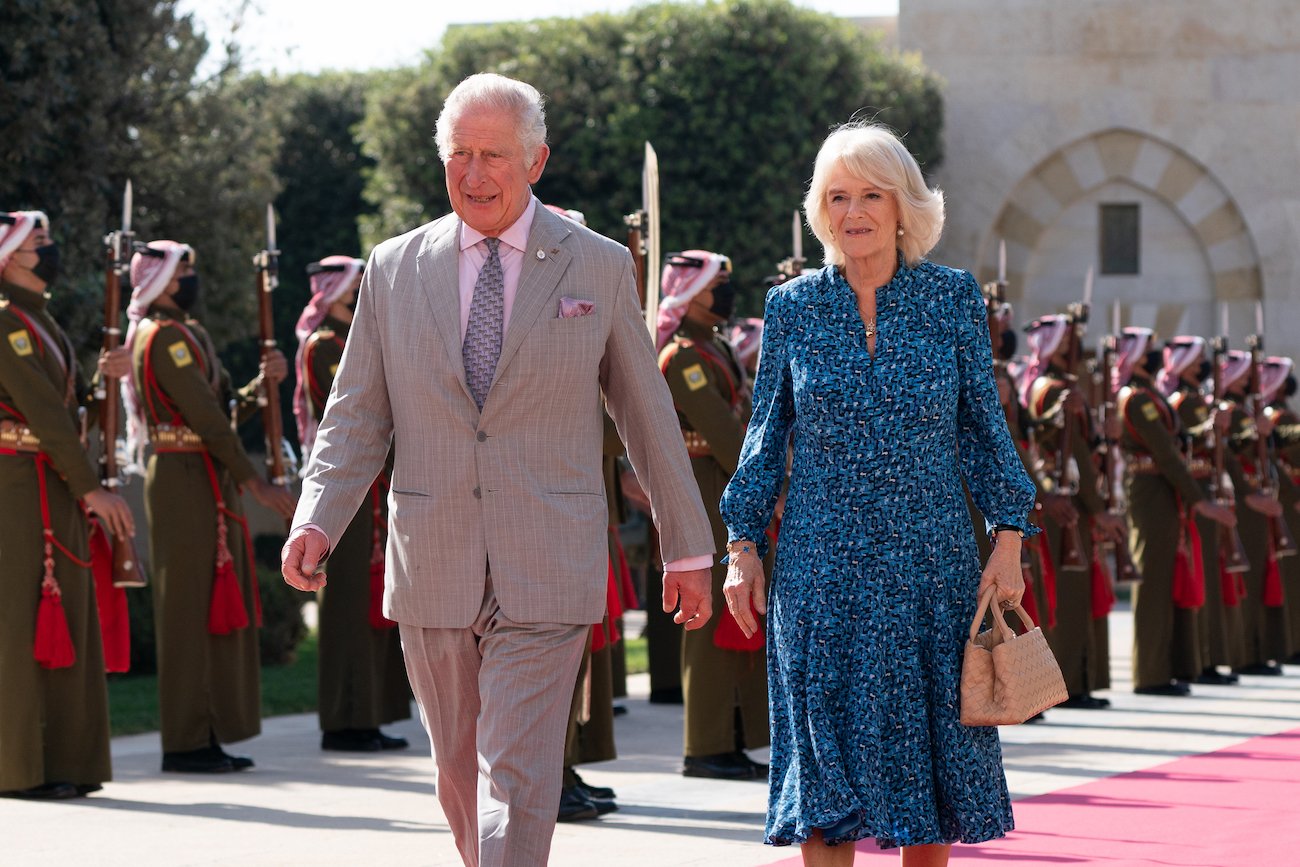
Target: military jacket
(1152,429)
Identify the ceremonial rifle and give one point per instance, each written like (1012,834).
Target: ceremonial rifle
(1065,474)
(789,268)
(1231,549)
(1265,470)
(117,264)
(995,299)
(267,267)
(1112,473)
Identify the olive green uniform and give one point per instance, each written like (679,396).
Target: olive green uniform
(361,673)
(1080,641)
(1264,628)
(209,686)
(1160,489)
(1218,624)
(1286,433)
(709,390)
(53,722)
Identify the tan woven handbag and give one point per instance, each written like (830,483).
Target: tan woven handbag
(1007,678)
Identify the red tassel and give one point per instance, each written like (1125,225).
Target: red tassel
(377,618)
(1030,603)
(727,634)
(53,648)
(226,613)
(1049,576)
(114,619)
(1189,571)
(1272,596)
(1228,589)
(1103,598)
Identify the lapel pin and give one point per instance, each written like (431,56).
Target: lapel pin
(540,254)
(554,250)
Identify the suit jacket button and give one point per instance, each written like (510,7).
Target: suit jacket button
(478,493)
(482,436)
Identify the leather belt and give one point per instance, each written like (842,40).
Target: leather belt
(18,437)
(1145,465)
(176,438)
(696,445)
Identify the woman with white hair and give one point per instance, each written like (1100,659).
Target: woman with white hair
(879,365)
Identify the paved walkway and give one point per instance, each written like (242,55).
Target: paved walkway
(302,806)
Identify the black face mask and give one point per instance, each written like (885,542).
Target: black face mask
(188,292)
(47,263)
(1289,388)
(1153,361)
(1203,372)
(724,300)
(1007,348)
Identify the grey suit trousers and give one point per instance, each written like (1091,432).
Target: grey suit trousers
(495,698)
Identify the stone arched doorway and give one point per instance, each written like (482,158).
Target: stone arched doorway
(1197,253)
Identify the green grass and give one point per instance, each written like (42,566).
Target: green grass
(133,699)
(638,661)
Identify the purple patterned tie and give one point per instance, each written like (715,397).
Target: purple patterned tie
(482,346)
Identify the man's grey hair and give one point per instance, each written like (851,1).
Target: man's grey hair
(487,91)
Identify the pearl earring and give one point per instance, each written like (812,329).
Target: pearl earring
(900,231)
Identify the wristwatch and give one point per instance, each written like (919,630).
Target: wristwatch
(998,528)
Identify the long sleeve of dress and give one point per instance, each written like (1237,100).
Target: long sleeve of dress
(987,455)
(750,498)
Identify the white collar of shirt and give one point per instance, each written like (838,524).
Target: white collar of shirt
(516,236)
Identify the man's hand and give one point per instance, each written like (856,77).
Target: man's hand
(1111,527)
(275,368)
(1216,513)
(113,511)
(273,497)
(1059,508)
(745,590)
(1269,507)
(691,593)
(115,364)
(300,556)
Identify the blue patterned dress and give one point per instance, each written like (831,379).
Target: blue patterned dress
(874,586)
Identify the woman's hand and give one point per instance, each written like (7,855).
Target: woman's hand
(1002,572)
(745,589)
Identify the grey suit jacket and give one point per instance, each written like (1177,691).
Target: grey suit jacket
(517,489)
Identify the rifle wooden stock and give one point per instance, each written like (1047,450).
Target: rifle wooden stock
(126,561)
(269,394)
(1230,544)
(1107,409)
(1066,481)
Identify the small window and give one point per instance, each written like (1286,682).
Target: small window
(1119,239)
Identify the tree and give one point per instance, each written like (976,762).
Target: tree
(95,93)
(736,97)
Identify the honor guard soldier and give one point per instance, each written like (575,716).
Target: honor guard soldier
(724,675)
(1278,384)
(54,710)
(1263,618)
(1183,377)
(1164,539)
(361,674)
(1051,394)
(206,603)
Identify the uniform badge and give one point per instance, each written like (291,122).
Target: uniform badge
(695,378)
(21,341)
(180,353)
(1151,412)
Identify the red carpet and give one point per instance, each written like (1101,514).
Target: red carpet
(1238,807)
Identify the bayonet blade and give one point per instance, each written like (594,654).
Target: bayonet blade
(650,203)
(128,201)
(1002,261)
(797,228)
(270,227)
(1087,288)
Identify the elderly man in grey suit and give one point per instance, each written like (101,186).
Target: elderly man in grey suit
(484,345)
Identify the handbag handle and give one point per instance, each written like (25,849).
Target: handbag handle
(999,621)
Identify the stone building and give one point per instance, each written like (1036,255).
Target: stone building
(1155,141)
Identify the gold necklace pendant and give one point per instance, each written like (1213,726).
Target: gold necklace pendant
(871,327)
